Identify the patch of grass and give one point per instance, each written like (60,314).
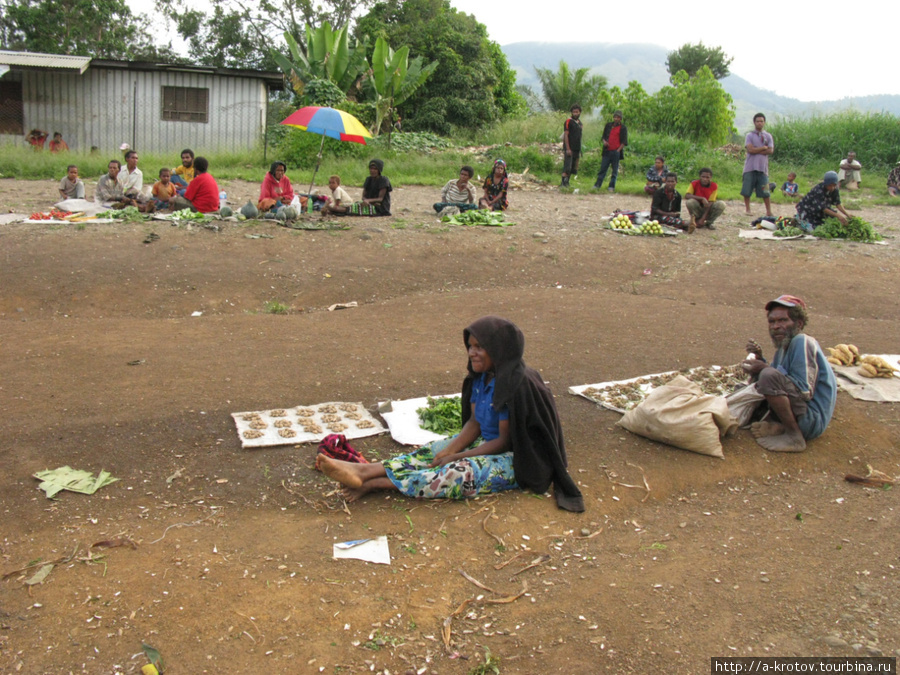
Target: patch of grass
(490,666)
(80,226)
(275,307)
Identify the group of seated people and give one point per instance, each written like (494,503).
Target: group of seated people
(459,194)
(701,199)
(189,186)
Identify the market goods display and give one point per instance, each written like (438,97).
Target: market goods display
(652,227)
(225,212)
(789,232)
(843,355)
(876,366)
(478,217)
(442,415)
(856,229)
(304,424)
(621,222)
(624,395)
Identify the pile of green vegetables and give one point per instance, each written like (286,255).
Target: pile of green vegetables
(789,232)
(856,229)
(479,217)
(187,214)
(129,213)
(442,415)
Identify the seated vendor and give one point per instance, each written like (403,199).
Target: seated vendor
(184,174)
(459,193)
(496,187)
(71,187)
(276,190)
(850,172)
(666,204)
(893,181)
(202,194)
(656,175)
(798,386)
(109,190)
(376,196)
(702,201)
(820,202)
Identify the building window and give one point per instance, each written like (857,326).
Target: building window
(12,111)
(185,104)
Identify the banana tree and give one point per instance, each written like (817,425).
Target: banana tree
(394,78)
(329,55)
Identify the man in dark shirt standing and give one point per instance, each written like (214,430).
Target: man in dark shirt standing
(571,144)
(615,138)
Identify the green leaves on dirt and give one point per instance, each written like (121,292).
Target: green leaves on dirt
(129,213)
(442,415)
(856,229)
(479,217)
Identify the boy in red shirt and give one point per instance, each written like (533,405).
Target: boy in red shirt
(615,138)
(202,194)
(701,202)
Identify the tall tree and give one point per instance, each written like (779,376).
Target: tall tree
(394,78)
(241,34)
(472,85)
(97,28)
(329,55)
(564,88)
(691,58)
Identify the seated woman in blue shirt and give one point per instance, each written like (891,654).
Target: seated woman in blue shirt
(511,435)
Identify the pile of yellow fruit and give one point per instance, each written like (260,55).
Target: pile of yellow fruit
(869,366)
(621,222)
(651,227)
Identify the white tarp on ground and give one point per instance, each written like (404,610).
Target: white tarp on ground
(882,389)
(305,424)
(403,420)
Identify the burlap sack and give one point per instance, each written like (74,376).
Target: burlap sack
(743,403)
(680,414)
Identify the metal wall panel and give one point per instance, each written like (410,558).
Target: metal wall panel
(105,108)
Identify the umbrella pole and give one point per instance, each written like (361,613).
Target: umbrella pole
(318,161)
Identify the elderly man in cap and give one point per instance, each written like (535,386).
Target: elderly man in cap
(799,385)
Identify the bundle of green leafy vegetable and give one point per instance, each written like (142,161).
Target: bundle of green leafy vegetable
(442,415)
(856,229)
(129,213)
(788,232)
(479,217)
(187,214)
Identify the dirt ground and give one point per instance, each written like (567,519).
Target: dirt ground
(757,554)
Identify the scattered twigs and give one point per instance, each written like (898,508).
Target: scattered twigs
(115,542)
(591,535)
(646,486)
(59,561)
(534,563)
(195,523)
(875,478)
(475,581)
(510,598)
(252,623)
(484,527)
(504,564)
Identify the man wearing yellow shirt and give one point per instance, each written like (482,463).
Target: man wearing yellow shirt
(184,174)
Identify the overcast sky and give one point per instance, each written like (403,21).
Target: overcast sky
(802,49)
(812,51)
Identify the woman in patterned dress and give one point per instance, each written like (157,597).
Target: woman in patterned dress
(510,438)
(495,188)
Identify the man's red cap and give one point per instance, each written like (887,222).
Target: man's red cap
(785,301)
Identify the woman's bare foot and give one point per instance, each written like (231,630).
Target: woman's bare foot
(786,442)
(352,494)
(761,429)
(344,473)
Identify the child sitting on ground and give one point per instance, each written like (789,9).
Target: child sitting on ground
(790,189)
(163,190)
(71,187)
(339,198)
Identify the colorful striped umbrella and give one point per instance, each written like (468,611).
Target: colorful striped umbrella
(329,122)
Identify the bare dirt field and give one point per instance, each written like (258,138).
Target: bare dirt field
(756,554)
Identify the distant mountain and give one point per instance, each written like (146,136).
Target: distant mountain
(646,63)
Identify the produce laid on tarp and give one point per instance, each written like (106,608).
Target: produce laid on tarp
(624,395)
(305,424)
(856,229)
(478,217)
(405,418)
(637,224)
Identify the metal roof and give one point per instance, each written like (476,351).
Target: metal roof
(37,60)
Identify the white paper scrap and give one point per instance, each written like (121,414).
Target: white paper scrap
(371,550)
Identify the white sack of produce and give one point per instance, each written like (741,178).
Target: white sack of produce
(743,403)
(680,414)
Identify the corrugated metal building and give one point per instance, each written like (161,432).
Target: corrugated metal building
(155,108)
